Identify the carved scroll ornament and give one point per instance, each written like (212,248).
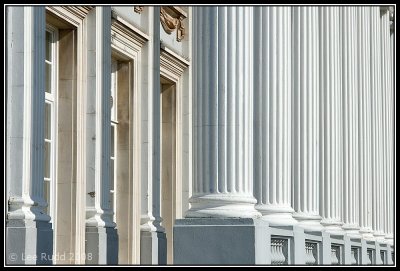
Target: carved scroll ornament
(170,23)
(138,9)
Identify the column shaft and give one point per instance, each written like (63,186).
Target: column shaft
(330,121)
(364,64)
(350,121)
(386,106)
(272,90)
(306,116)
(223,104)
(391,101)
(376,121)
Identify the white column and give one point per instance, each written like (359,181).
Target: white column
(350,121)
(330,121)
(223,104)
(26,220)
(364,79)
(384,24)
(272,113)
(305,120)
(386,116)
(376,71)
(390,108)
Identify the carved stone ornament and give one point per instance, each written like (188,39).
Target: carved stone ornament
(171,20)
(138,9)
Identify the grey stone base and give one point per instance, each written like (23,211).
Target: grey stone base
(101,245)
(153,248)
(29,242)
(221,241)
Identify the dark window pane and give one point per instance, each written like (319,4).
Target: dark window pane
(48,78)
(46,194)
(47,121)
(48,45)
(47,153)
(112,141)
(111,174)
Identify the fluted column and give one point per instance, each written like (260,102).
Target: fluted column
(386,116)
(350,121)
(364,156)
(223,109)
(330,121)
(272,113)
(305,122)
(390,108)
(377,209)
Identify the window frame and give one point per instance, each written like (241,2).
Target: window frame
(114,128)
(51,99)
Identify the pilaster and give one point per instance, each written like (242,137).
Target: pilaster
(29,235)
(153,239)
(101,235)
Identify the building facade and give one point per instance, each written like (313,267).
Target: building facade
(200,135)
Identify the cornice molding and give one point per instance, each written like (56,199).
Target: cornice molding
(125,32)
(72,14)
(172,61)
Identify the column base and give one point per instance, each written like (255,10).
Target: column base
(379,236)
(277,215)
(367,234)
(333,227)
(153,247)
(309,222)
(101,245)
(221,241)
(352,231)
(389,239)
(222,205)
(29,242)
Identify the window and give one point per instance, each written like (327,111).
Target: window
(121,146)
(49,119)
(114,125)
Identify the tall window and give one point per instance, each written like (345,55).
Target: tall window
(50,118)
(121,155)
(114,123)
